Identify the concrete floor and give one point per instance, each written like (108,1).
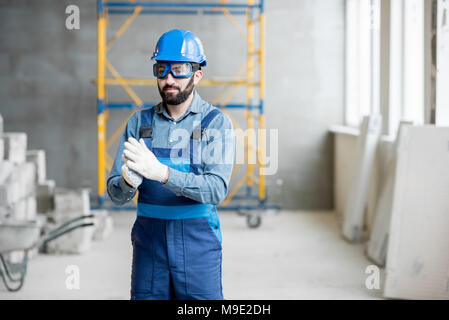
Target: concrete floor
(292,255)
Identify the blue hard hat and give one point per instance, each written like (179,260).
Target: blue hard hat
(179,45)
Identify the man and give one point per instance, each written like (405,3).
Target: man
(179,155)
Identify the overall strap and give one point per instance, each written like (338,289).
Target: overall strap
(199,131)
(195,139)
(146,126)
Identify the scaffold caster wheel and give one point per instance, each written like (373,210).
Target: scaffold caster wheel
(253,220)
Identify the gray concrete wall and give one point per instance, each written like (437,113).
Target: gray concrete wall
(45,71)
(46,89)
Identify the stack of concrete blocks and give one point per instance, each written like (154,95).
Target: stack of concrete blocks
(17,187)
(17,182)
(24,190)
(26,194)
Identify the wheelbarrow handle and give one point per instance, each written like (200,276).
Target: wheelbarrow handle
(55,236)
(55,231)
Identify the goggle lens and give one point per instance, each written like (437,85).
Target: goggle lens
(181,69)
(178,70)
(160,70)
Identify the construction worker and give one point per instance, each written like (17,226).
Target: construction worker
(179,155)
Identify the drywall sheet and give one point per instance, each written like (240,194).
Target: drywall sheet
(377,245)
(417,265)
(366,150)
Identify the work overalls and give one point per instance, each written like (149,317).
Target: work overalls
(177,251)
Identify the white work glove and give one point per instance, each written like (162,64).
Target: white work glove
(143,161)
(131,177)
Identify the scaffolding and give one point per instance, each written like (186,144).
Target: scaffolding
(252,182)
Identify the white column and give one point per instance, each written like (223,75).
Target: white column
(442,77)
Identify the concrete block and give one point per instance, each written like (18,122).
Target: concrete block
(31,208)
(38,158)
(70,204)
(41,218)
(19,184)
(104,225)
(2,148)
(6,168)
(19,210)
(25,176)
(60,217)
(45,196)
(6,196)
(76,242)
(45,188)
(5,212)
(24,209)
(67,200)
(15,146)
(21,181)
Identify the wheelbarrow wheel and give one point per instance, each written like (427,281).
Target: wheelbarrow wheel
(253,220)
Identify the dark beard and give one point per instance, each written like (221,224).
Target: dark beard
(180,97)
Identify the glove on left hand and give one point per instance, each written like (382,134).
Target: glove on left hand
(131,177)
(143,161)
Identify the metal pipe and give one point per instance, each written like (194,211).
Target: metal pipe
(178,12)
(179,5)
(101,121)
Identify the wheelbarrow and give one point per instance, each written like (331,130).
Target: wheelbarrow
(25,236)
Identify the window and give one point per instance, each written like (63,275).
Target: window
(403,64)
(406,62)
(362,59)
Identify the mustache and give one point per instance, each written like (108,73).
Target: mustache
(171,87)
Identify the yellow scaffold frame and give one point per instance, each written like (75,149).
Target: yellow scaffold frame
(229,87)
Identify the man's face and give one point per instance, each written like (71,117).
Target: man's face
(175,91)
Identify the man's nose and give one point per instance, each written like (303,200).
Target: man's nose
(170,79)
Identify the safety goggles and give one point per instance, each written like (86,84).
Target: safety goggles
(177,69)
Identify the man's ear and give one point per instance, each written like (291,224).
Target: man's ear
(198,75)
